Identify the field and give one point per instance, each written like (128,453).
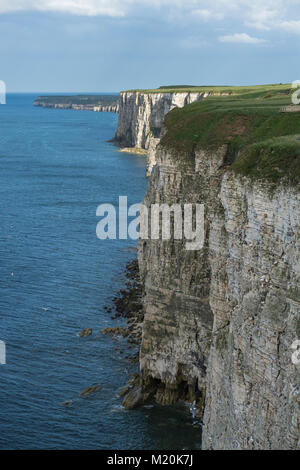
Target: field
(217,90)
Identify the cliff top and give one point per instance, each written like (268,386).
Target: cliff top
(263,142)
(214,90)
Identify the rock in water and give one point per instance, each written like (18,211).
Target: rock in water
(123,391)
(89,390)
(115,331)
(133,399)
(85,333)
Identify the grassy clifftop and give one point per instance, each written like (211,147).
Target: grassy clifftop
(263,142)
(216,90)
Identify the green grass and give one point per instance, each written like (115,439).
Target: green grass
(217,90)
(263,143)
(272,159)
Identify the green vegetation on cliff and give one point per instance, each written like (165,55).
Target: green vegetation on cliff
(271,159)
(263,142)
(215,90)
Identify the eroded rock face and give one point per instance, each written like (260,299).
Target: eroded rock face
(253,399)
(178,318)
(141,115)
(113,108)
(220,321)
(151,156)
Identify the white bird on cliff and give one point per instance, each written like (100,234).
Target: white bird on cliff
(193,409)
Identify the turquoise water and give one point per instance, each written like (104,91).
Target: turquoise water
(56,278)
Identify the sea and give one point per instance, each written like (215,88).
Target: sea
(57,277)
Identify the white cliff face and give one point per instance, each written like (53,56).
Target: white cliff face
(113,108)
(253,387)
(141,115)
(151,155)
(220,322)
(178,319)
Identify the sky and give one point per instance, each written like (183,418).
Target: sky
(112,45)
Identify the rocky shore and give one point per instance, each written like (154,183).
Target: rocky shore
(128,304)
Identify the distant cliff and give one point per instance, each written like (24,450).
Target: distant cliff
(97,103)
(141,114)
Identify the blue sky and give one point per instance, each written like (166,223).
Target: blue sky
(110,45)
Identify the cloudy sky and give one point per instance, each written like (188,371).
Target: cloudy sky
(110,45)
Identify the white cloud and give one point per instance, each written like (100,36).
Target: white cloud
(193,42)
(75,7)
(262,18)
(203,14)
(291,26)
(241,38)
(87,7)
(267,15)
(208,15)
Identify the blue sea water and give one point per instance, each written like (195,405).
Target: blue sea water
(56,277)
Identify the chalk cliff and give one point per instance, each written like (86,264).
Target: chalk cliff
(219,322)
(178,319)
(141,115)
(253,399)
(113,108)
(100,103)
(79,107)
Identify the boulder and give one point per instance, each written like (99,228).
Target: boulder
(85,333)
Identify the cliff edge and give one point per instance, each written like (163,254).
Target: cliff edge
(141,115)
